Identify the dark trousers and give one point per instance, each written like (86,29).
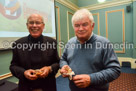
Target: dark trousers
(44,86)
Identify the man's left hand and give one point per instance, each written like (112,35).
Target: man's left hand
(82,81)
(45,71)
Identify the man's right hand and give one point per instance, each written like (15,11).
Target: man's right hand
(29,74)
(64,71)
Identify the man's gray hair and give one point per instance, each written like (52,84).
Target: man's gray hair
(80,14)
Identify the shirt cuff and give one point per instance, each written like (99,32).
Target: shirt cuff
(93,79)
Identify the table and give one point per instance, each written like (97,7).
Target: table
(8,86)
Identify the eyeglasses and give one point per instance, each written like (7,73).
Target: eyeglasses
(36,22)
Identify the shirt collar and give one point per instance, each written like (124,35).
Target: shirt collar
(34,40)
(88,38)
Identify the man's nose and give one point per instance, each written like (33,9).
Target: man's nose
(81,27)
(34,24)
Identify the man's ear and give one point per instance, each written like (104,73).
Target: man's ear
(43,25)
(93,26)
(26,24)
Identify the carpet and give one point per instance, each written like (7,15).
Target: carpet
(125,82)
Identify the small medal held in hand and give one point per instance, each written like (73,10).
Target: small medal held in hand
(69,72)
(38,72)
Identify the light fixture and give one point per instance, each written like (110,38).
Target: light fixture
(100,1)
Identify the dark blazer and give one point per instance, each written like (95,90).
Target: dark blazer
(26,57)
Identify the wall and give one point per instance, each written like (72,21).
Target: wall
(5,59)
(64,26)
(116,24)
(134,28)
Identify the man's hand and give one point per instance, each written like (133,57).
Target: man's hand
(45,71)
(64,70)
(82,81)
(29,74)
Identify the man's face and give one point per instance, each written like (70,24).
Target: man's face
(35,25)
(83,28)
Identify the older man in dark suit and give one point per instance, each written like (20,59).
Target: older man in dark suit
(35,58)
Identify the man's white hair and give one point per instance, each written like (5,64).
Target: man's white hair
(36,15)
(80,14)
